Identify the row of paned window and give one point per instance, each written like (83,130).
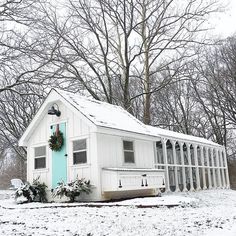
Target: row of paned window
(80,153)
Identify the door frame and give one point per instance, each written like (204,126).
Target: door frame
(67,148)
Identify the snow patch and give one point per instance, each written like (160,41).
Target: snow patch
(205,213)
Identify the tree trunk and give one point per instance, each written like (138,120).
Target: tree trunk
(146,82)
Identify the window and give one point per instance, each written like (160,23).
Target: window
(40,157)
(128,147)
(79,151)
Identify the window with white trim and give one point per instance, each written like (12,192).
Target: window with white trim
(79,151)
(40,157)
(128,147)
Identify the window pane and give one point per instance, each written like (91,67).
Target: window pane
(79,157)
(40,151)
(128,145)
(129,157)
(40,163)
(79,145)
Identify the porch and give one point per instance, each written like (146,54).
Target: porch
(191,165)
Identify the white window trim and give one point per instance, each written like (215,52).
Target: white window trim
(37,157)
(82,150)
(128,163)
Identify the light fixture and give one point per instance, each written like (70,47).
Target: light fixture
(52,111)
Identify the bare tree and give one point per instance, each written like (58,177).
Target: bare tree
(16,112)
(20,47)
(213,80)
(176,108)
(188,104)
(17,109)
(103,46)
(167,30)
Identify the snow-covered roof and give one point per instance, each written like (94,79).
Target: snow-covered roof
(112,116)
(179,136)
(104,114)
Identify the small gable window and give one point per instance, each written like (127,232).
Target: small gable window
(79,151)
(40,157)
(128,147)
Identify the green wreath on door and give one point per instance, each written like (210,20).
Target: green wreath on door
(56,140)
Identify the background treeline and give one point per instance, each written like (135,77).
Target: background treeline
(151,57)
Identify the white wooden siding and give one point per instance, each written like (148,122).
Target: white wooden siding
(76,128)
(110,152)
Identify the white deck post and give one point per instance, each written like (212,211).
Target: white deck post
(213,169)
(197,167)
(203,168)
(167,181)
(190,167)
(173,142)
(208,168)
(218,169)
(181,145)
(222,169)
(226,170)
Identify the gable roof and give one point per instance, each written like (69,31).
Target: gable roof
(106,115)
(112,116)
(98,113)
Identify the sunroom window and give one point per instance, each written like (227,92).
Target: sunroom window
(40,157)
(128,147)
(79,151)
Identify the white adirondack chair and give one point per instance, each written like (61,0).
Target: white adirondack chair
(16,183)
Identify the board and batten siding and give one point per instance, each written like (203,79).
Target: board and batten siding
(76,128)
(111,154)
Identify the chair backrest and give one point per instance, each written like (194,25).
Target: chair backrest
(16,183)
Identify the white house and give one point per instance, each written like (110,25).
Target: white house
(120,155)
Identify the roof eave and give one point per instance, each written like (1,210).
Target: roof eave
(52,96)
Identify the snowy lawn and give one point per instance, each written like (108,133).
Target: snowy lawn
(210,212)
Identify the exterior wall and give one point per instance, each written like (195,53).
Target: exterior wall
(187,165)
(110,154)
(108,147)
(76,128)
(110,151)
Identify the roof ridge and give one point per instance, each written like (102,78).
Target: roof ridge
(122,120)
(87,98)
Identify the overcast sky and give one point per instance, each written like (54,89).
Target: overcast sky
(225,23)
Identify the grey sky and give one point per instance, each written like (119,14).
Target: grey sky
(225,22)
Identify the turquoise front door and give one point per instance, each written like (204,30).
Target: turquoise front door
(59,158)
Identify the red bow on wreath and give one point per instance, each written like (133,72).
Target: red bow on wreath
(56,140)
(57,130)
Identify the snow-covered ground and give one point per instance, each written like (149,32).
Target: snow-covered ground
(209,213)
